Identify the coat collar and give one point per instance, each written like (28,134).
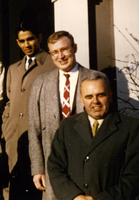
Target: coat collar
(53,84)
(40,58)
(108,127)
(21,66)
(82,126)
(79,107)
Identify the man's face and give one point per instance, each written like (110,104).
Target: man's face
(29,43)
(96,98)
(63,54)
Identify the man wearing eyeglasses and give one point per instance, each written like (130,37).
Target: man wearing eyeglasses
(54,96)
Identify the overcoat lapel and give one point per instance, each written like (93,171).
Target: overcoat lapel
(82,74)
(107,128)
(39,60)
(53,85)
(79,107)
(82,127)
(21,67)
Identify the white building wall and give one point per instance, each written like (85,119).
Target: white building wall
(126,15)
(72,16)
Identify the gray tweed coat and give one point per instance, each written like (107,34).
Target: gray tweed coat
(44,119)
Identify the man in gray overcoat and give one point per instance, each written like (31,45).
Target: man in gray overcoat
(47,104)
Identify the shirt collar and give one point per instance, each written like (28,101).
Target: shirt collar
(33,58)
(75,69)
(92,120)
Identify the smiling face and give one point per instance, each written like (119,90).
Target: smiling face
(63,53)
(96,98)
(29,43)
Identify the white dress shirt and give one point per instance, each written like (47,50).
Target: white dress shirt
(27,60)
(73,83)
(92,120)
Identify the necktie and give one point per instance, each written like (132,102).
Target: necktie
(95,128)
(28,64)
(66,98)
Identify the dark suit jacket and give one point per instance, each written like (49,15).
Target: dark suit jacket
(105,167)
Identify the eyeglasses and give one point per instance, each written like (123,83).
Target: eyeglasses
(64,51)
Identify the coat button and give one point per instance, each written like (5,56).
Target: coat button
(22,90)
(21,115)
(86,186)
(86,158)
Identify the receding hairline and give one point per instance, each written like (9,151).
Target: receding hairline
(97,76)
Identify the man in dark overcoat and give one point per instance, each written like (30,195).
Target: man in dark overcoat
(95,154)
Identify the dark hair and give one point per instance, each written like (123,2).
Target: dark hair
(57,35)
(28,22)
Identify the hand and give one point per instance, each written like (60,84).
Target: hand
(82,197)
(39,181)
